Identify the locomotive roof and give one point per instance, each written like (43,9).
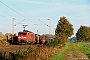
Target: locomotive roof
(27,31)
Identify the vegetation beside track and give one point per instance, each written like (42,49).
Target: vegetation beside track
(3,42)
(52,51)
(60,53)
(84,47)
(33,52)
(72,50)
(39,52)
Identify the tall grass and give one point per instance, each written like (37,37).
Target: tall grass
(15,56)
(80,46)
(85,48)
(60,53)
(53,43)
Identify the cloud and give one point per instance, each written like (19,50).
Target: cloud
(36,2)
(66,8)
(52,7)
(47,3)
(16,0)
(55,7)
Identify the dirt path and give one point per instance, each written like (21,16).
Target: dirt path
(76,54)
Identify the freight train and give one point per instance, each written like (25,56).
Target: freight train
(28,37)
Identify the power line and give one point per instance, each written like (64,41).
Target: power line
(19,22)
(15,20)
(21,14)
(14,5)
(30,15)
(43,22)
(14,10)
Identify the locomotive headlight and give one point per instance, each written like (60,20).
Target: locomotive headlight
(24,37)
(19,37)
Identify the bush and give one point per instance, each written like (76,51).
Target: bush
(15,56)
(53,43)
(24,54)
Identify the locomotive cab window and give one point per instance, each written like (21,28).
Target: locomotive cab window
(22,34)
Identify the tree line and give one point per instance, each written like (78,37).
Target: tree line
(65,29)
(83,33)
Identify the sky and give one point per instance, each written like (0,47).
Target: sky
(35,14)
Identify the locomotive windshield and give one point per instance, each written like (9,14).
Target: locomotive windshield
(22,34)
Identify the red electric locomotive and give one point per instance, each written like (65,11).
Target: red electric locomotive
(29,37)
(26,37)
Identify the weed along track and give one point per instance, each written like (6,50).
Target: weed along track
(71,51)
(25,52)
(13,48)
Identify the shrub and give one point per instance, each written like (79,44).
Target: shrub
(53,43)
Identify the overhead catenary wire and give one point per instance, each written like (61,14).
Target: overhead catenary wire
(21,14)
(30,15)
(10,18)
(15,20)
(14,5)
(14,10)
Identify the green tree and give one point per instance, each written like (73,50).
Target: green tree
(88,35)
(63,30)
(83,33)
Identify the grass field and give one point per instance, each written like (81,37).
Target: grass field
(85,48)
(78,50)
(61,53)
